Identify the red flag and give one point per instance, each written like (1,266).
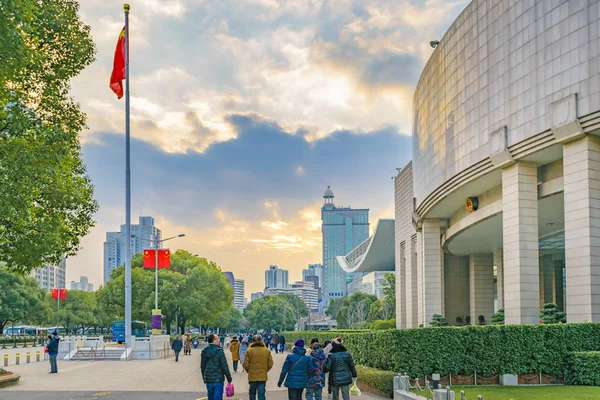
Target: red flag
(118,72)
(62,293)
(164,258)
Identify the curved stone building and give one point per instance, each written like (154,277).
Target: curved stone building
(500,207)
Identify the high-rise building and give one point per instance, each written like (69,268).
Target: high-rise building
(343,229)
(276,278)
(307,292)
(143,236)
(51,276)
(83,284)
(230,278)
(256,296)
(314,270)
(238,294)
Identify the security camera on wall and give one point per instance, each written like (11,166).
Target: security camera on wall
(434,43)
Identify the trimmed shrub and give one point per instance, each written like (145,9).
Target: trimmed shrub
(381,324)
(438,320)
(498,317)
(382,381)
(551,314)
(487,350)
(584,368)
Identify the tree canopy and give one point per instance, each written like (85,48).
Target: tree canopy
(46,198)
(280,312)
(19,297)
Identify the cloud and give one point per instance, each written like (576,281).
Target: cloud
(315,67)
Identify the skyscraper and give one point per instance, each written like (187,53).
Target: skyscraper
(51,276)
(143,236)
(276,278)
(238,294)
(343,229)
(314,270)
(83,284)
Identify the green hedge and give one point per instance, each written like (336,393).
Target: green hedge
(487,350)
(383,381)
(584,368)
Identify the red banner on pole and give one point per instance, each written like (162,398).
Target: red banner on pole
(62,293)
(164,258)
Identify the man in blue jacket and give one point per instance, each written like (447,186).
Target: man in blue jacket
(297,368)
(53,351)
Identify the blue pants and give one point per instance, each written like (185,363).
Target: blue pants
(177,355)
(215,391)
(261,388)
(314,394)
(53,364)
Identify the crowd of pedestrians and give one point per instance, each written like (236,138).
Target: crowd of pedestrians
(328,363)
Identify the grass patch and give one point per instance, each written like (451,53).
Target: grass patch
(529,393)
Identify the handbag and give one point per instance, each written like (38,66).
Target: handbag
(46,349)
(229,390)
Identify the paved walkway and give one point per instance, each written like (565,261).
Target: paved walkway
(121,376)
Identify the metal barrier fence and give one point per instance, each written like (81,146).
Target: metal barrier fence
(405,385)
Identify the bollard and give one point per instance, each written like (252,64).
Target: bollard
(18,358)
(37,356)
(28,357)
(6,360)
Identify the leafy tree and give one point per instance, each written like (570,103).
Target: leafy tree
(382,310)
(389,324)
(77,311)
(498,317)
(354,309)
(19,296)
(281,312)
(438,320)
(229,320)
(551,314)
(46,201)
(333,307)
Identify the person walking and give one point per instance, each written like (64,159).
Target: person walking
(177,346)
(258,361)
(188,344)
(281,343)
(342,371)
(275,342)
(296,371)
(234,348)
(184,340)
(243,348)
(53,351)
(213,365)
(316,382)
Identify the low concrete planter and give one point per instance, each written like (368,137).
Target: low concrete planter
(9,379)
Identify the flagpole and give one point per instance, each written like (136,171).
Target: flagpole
(128,343)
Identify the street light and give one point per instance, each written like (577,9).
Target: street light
(156,247)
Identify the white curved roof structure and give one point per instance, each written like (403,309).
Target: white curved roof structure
(377,253)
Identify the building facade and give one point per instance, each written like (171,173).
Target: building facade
(276,278)
(143,236)
(238,294)
(499,206)
(83,285)
(343,228)
(256,296)
(52,276)
(307,292)
(371,283)
(314,270)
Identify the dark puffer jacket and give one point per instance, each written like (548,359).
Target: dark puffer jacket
(214,365)
(298,369)
(340,366)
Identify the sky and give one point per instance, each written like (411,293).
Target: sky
(242,112)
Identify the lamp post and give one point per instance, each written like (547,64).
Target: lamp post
(157,243)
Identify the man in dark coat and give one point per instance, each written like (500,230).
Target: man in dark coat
(176,346)
(342,371)
(214,368)
(53,351)
(281,343)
